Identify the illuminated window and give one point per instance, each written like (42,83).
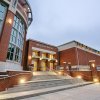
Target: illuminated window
(51,56)
(16,40)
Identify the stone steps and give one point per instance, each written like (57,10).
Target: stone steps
(44,80)
(42,84)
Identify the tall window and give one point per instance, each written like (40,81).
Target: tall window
(3,9)
(16,41)
(14,3)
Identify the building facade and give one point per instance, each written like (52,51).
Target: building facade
(40,56)
(15,18)
(78,56)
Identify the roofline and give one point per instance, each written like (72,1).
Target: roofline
(79,43)
(66,43)
(41,42)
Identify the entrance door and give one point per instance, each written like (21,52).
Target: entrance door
(43,66)
(51,66)
(35,66)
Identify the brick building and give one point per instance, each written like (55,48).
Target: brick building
(15,18)
(17,54)
(40,56)
(78,55)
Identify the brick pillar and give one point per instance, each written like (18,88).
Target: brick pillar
(93,68)
(24,53)
(69,67)
(65,65)
(5,35)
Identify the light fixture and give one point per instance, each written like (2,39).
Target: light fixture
(9,21)
(79,77)
(56,61)
(64,62)
(96,80)
(29,57)
(93,65)
(60,73)
(21,81)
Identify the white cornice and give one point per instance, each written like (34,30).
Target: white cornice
(43,50)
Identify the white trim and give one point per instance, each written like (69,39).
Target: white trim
(22,15)
(67,46)
(43,50)
(87,50)
(7,2)
(11,66)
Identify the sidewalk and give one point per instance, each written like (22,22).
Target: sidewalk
(33,93)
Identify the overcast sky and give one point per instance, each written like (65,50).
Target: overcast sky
(60,21)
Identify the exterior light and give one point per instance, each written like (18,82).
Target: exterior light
(60,73)
(64,62)
(96,80)
(79,77)
(22,81)
(93,65)
(41,58)
(29,57)
(9,21)
(56,61)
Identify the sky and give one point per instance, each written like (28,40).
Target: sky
(59,21)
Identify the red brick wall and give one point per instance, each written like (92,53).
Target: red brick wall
(4,42)
(85,57)
(98,74)
(14,79)
(68,55)
(86,75)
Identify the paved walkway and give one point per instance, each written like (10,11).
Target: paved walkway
(89,92)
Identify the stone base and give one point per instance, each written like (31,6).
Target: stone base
(10,66)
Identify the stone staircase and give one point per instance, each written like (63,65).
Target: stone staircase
(43,80)
(37,76)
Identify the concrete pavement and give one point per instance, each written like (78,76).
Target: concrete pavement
(89,92)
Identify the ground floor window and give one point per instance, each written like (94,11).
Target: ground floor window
(14,53)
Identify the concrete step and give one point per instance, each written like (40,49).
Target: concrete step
(44,73)
(47,76)
(43,84)
(42,80)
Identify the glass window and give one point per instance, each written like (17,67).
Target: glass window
(11,50)
(16,39)
(14,3)
(3,10)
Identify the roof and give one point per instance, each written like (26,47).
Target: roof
(81,44)
(41,42)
